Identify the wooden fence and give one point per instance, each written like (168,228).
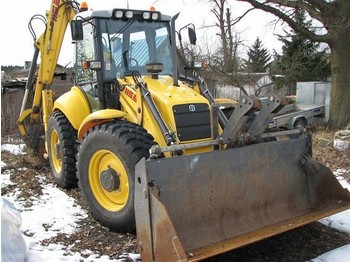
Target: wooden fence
(12,94)
(11,102)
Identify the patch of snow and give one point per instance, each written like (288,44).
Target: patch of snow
(54,212)
(341,254)
(338,173)
(339,221)
(6,178)
(55,252)
(19,149)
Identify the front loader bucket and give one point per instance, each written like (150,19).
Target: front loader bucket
(192,207)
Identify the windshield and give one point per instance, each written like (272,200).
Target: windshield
(130,45)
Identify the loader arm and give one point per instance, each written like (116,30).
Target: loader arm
(48,45)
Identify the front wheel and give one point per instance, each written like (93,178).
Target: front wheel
(106,170)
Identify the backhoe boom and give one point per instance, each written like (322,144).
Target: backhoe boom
(48,45)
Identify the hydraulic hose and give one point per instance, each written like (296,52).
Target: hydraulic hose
(30,78)
(147,96)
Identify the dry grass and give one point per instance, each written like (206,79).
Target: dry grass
(325,153)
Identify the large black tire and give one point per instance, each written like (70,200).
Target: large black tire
(62,149)
(106,170)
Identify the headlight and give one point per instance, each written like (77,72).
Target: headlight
(155,16)
(146,15)
(118,14)
(129,14)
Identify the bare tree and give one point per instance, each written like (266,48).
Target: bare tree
(224,63)
(334,17)
(229,45)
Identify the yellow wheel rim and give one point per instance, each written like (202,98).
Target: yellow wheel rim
(116,199)
(56,154)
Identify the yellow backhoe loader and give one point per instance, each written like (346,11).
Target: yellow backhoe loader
(153,151)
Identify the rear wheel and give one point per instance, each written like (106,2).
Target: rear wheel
(61,142)
(106,170)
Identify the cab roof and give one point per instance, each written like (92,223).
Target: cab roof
(111,14)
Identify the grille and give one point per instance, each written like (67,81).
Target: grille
(192,121)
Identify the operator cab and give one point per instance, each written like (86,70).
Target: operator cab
(112,44)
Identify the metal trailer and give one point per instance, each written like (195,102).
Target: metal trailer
(311,107)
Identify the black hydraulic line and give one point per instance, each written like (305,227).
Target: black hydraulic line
(30,77)
(147,96)
(206,93)
(32,67)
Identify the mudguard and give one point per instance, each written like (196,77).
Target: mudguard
(74,105)
(98,117)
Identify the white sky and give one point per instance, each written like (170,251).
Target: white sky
(16,45)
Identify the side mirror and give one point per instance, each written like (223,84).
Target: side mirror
(77,30)
(192,36)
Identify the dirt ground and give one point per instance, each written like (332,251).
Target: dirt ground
(301,244)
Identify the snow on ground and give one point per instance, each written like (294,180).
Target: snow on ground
(45,219)
(14,149)
(341,254)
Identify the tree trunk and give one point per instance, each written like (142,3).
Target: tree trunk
(340,64)
(340,103)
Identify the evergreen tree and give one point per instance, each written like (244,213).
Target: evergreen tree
(301,59)
(258,57)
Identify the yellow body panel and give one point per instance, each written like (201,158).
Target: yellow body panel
(51,41)
(48,104)
(165,96)
(47,109)
(20,121)
(74,105)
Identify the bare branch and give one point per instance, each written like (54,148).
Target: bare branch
(241,17)
(322,6)
(313,12)
(285,17)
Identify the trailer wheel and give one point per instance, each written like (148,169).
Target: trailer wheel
(300,122)
(106,170)
(61,142)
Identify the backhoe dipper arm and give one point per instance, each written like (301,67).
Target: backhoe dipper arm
(48,46)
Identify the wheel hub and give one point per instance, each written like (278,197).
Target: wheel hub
(110,180)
